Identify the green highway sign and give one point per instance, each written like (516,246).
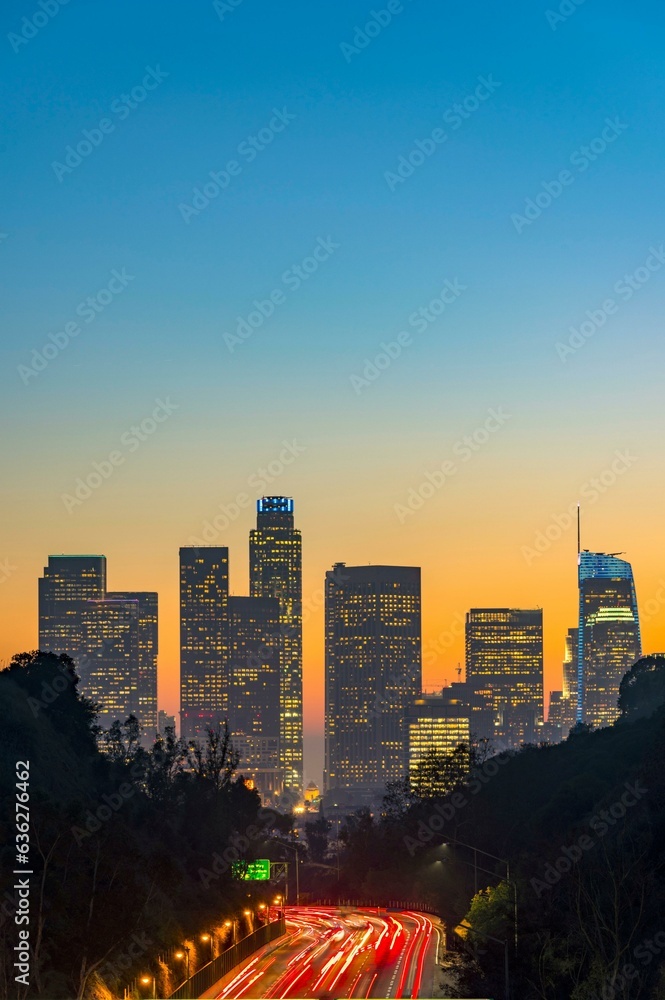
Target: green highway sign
(252,871)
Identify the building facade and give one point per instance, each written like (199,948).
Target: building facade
(504,656)
(204,639)
(436,726)
(147,603)
(373,673)
(68,583)
(608,635)
(254,689)
(275,572)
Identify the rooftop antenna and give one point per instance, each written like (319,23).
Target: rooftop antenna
(579,535)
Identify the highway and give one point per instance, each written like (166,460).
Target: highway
(335,953)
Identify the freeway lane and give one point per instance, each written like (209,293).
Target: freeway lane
(340,953)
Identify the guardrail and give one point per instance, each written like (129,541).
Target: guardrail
(224,963)
(422,906)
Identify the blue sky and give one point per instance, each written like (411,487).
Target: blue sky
(323,177)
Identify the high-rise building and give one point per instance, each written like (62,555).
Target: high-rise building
(436,725)
(275,571)
(112,637)
(204,639)
(147,609)
(254,688)
(68,583)
(504,653)
(110,672)
(568,707)
(373,673)
(608,637)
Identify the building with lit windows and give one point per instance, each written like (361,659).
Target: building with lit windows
(435,725)
(110,673)
(68,583)
(112,637)
(608,636)
(504,655)
(373,673)
(254,689)
(275,571)
(204,639)
(147,608)
(568,708)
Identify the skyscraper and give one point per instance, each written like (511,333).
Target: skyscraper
(68,583)
(608,637)
(112,637)
(204,639)
(504,653)
(275,571)
(147,607)
(254,676)
(110,671)
(569,692)
(373,673)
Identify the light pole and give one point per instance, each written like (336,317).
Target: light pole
(293,847)
(184,954)
(476,869)
(208,938)
(146,980)
(232,924)
(506,960)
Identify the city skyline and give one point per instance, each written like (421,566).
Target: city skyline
(249,639)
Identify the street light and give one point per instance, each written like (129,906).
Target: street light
(476,869)
(232,923)
(208,938)
(293,847)
(146,980)
(184,954)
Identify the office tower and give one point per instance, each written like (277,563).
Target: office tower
(68,583)
(147,612)
(608,638)
(504,653)
(373,672)
(164,722)
(569,692)
(275,571)
(436,725)
(254,687)
(204,640)
(556,729)
(110,671)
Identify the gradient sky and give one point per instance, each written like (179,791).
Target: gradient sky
(324,177)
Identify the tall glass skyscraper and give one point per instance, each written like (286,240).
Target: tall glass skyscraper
(373,675)
(204,639)
(275,571)
(608,636)
(68,583)
(504,655)
(147,612)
